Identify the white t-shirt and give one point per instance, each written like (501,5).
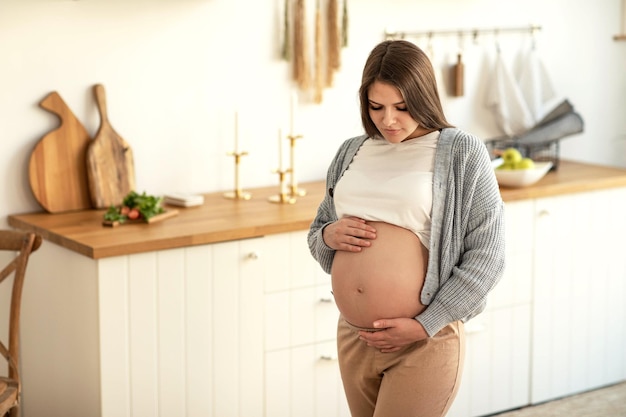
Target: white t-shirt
(392,183)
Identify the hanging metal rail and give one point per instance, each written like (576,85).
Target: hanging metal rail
(462,32)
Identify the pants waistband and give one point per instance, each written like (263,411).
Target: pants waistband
(360,329)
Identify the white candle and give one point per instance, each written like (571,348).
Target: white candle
(623,17)
(280,150)
(236,132)
(292,112)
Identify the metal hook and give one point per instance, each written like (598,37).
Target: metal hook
(533,37)
(497,36)
(430,45)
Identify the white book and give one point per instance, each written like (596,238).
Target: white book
(183,200)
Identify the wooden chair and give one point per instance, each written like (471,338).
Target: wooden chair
(24,244)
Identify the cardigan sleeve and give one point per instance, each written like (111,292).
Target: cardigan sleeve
(321,252)
(326,213)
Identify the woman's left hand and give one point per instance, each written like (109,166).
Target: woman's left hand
(397,333)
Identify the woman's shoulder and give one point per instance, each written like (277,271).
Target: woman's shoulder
(454,135)
(345,153)
(463,147)
(350,146)
(461,144)
(354,142)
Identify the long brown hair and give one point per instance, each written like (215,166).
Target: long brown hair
(405,66)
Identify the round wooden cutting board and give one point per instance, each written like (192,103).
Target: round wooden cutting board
(57,169)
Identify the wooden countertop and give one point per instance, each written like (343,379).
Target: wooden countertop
(221,219)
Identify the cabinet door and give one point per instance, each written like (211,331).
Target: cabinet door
(188,329)
(237,337)
(579,337)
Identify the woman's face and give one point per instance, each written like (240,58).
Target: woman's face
(389,113)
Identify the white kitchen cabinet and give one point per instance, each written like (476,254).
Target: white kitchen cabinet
(302,374)
(243,328)
(579,308)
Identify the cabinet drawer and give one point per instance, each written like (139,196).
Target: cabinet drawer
(304,382)
(301,316)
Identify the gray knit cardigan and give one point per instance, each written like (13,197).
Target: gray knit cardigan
(467,236)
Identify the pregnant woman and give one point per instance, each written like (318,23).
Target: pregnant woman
(411,231)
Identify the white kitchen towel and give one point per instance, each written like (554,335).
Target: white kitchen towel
(507,102)
(536,86)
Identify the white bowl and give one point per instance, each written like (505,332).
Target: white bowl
(516,178)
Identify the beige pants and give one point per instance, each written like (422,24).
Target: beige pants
(420,380)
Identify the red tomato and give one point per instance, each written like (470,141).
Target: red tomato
(124,210)
(133,214)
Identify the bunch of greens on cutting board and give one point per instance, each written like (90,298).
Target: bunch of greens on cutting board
(135,206)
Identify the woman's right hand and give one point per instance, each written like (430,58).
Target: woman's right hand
(349,234)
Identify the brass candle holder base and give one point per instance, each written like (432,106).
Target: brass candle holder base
(237,193)
(283,197)
(297,192)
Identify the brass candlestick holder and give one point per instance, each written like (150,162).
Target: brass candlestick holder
(294,191)
(283,197)
(237,194)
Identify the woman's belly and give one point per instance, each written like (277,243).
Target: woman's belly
(383,280)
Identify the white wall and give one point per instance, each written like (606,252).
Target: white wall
(175,71)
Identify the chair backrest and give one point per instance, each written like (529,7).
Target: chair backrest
(22,243)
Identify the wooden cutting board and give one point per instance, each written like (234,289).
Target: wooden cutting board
(56,170)
(110,165)
(154,219)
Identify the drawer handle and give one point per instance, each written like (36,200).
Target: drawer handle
(326,300)
(328,358)
(544,214)
(253,256)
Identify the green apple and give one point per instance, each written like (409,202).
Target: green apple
(506,167)
(511,156)
(525,163)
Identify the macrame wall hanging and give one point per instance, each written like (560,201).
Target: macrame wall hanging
(314,70)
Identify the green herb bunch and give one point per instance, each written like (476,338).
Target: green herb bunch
(135,206)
